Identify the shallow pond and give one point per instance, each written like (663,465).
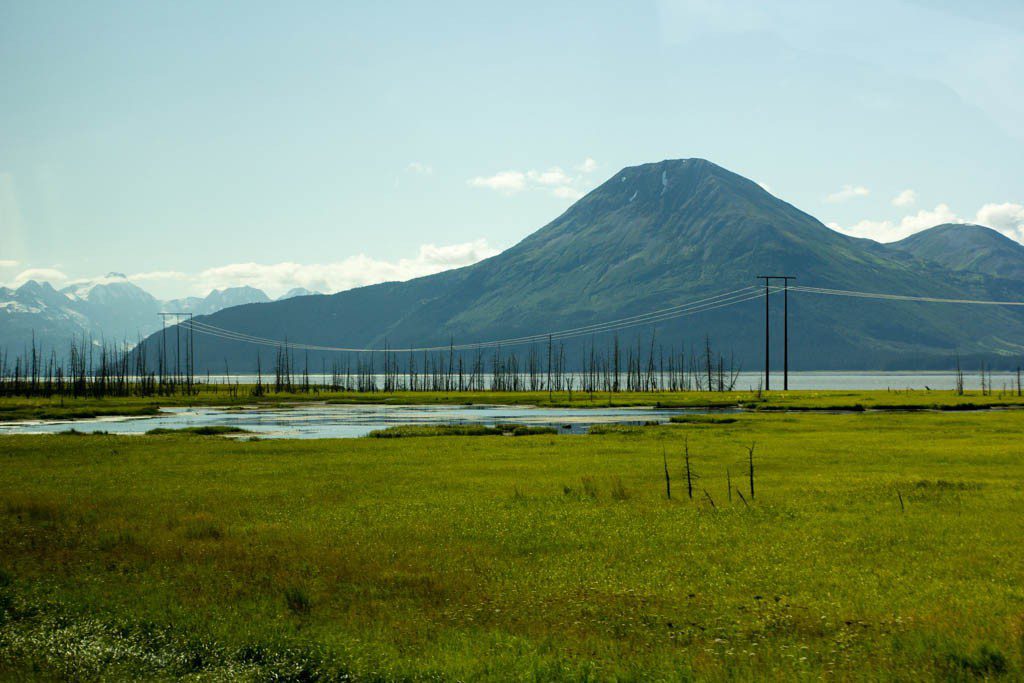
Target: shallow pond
(325,421)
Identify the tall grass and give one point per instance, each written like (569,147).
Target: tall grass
(550,558)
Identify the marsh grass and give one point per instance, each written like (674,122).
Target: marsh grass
(589,487)
(599,429)
(986,663)
(202,528)
(214,559)
(405,431)
(297,600)
(75,432)
(34,510)
(702,420)
(111,539)
(207,430)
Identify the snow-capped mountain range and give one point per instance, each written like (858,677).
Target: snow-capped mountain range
(110,308)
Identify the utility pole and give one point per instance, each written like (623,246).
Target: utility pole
(163,350)
(189,344)
(785,329)
(191,353)
(767,335)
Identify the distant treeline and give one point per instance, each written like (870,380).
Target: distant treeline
(100,369)
(87,368)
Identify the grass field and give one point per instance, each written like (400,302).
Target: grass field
(877,546)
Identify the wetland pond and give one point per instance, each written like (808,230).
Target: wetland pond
(328,421)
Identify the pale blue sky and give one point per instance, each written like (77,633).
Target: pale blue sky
(324,145)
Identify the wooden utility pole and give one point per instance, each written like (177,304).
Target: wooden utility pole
(767,334)
(163,350)
(190,348)
(785,329)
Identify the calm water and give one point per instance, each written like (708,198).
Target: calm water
(322,421)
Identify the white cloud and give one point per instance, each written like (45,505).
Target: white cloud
(8,263)
(277,278)
(55,277)
(1007,218)
(906,198)
(929,219)
(419,168)
(890,231)
(555,181)
(554,176)
(508,182)
(848,192)
(567,193)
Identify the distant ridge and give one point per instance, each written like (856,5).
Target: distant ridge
(654,235)
(111,308)
(967,247)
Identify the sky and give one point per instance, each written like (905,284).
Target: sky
(326,145)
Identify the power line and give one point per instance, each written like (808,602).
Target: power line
(901,297)
(203,328)
(661,315)
(644,318)
(722,300)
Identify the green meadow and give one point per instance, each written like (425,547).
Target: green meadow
(874,546)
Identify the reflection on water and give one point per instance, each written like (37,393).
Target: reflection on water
(323,421)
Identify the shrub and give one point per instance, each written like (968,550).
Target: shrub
(987,661)
(615,429)
(202,528)
(108,540)
(401,431)
(297,600)
(209,430)
(701,419)
(35,511)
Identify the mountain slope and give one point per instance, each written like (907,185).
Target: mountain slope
(114,308)
(966,247)
(37,311)
(296,291)
(653,236)
(218,299)
(110,308)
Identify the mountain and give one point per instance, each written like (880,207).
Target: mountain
(36,310)
(114,307)
(966,247)
(650,237)
(218,299)
(297,291)
(109,308)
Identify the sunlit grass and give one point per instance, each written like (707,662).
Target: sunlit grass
(877,546)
